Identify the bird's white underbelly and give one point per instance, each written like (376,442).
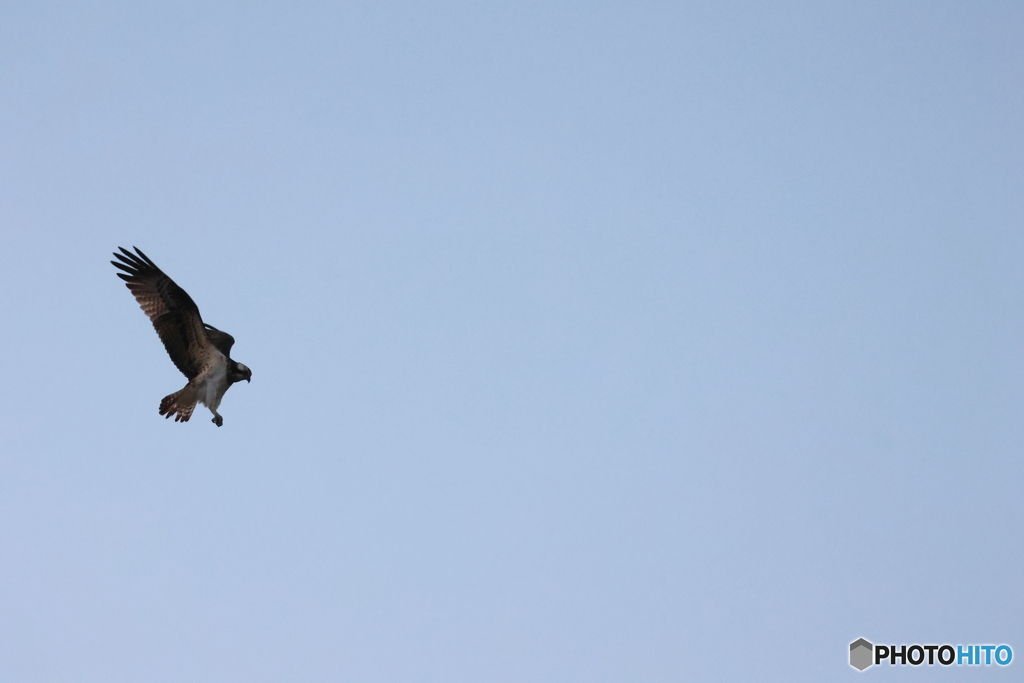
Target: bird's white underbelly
(212,384)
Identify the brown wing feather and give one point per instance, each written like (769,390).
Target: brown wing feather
(222,340)
(173,313)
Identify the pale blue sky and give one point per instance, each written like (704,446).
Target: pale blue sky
(590,341)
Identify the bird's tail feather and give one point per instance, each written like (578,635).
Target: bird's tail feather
(180,404)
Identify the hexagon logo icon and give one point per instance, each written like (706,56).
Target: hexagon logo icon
(861,654)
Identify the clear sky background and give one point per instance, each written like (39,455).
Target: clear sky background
(590,341)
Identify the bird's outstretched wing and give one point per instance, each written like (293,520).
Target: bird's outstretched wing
(172,311)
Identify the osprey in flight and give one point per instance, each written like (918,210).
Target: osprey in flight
(200,351)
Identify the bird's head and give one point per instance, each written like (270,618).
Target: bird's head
(240,372)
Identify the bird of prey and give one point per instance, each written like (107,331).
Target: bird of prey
(200,351)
